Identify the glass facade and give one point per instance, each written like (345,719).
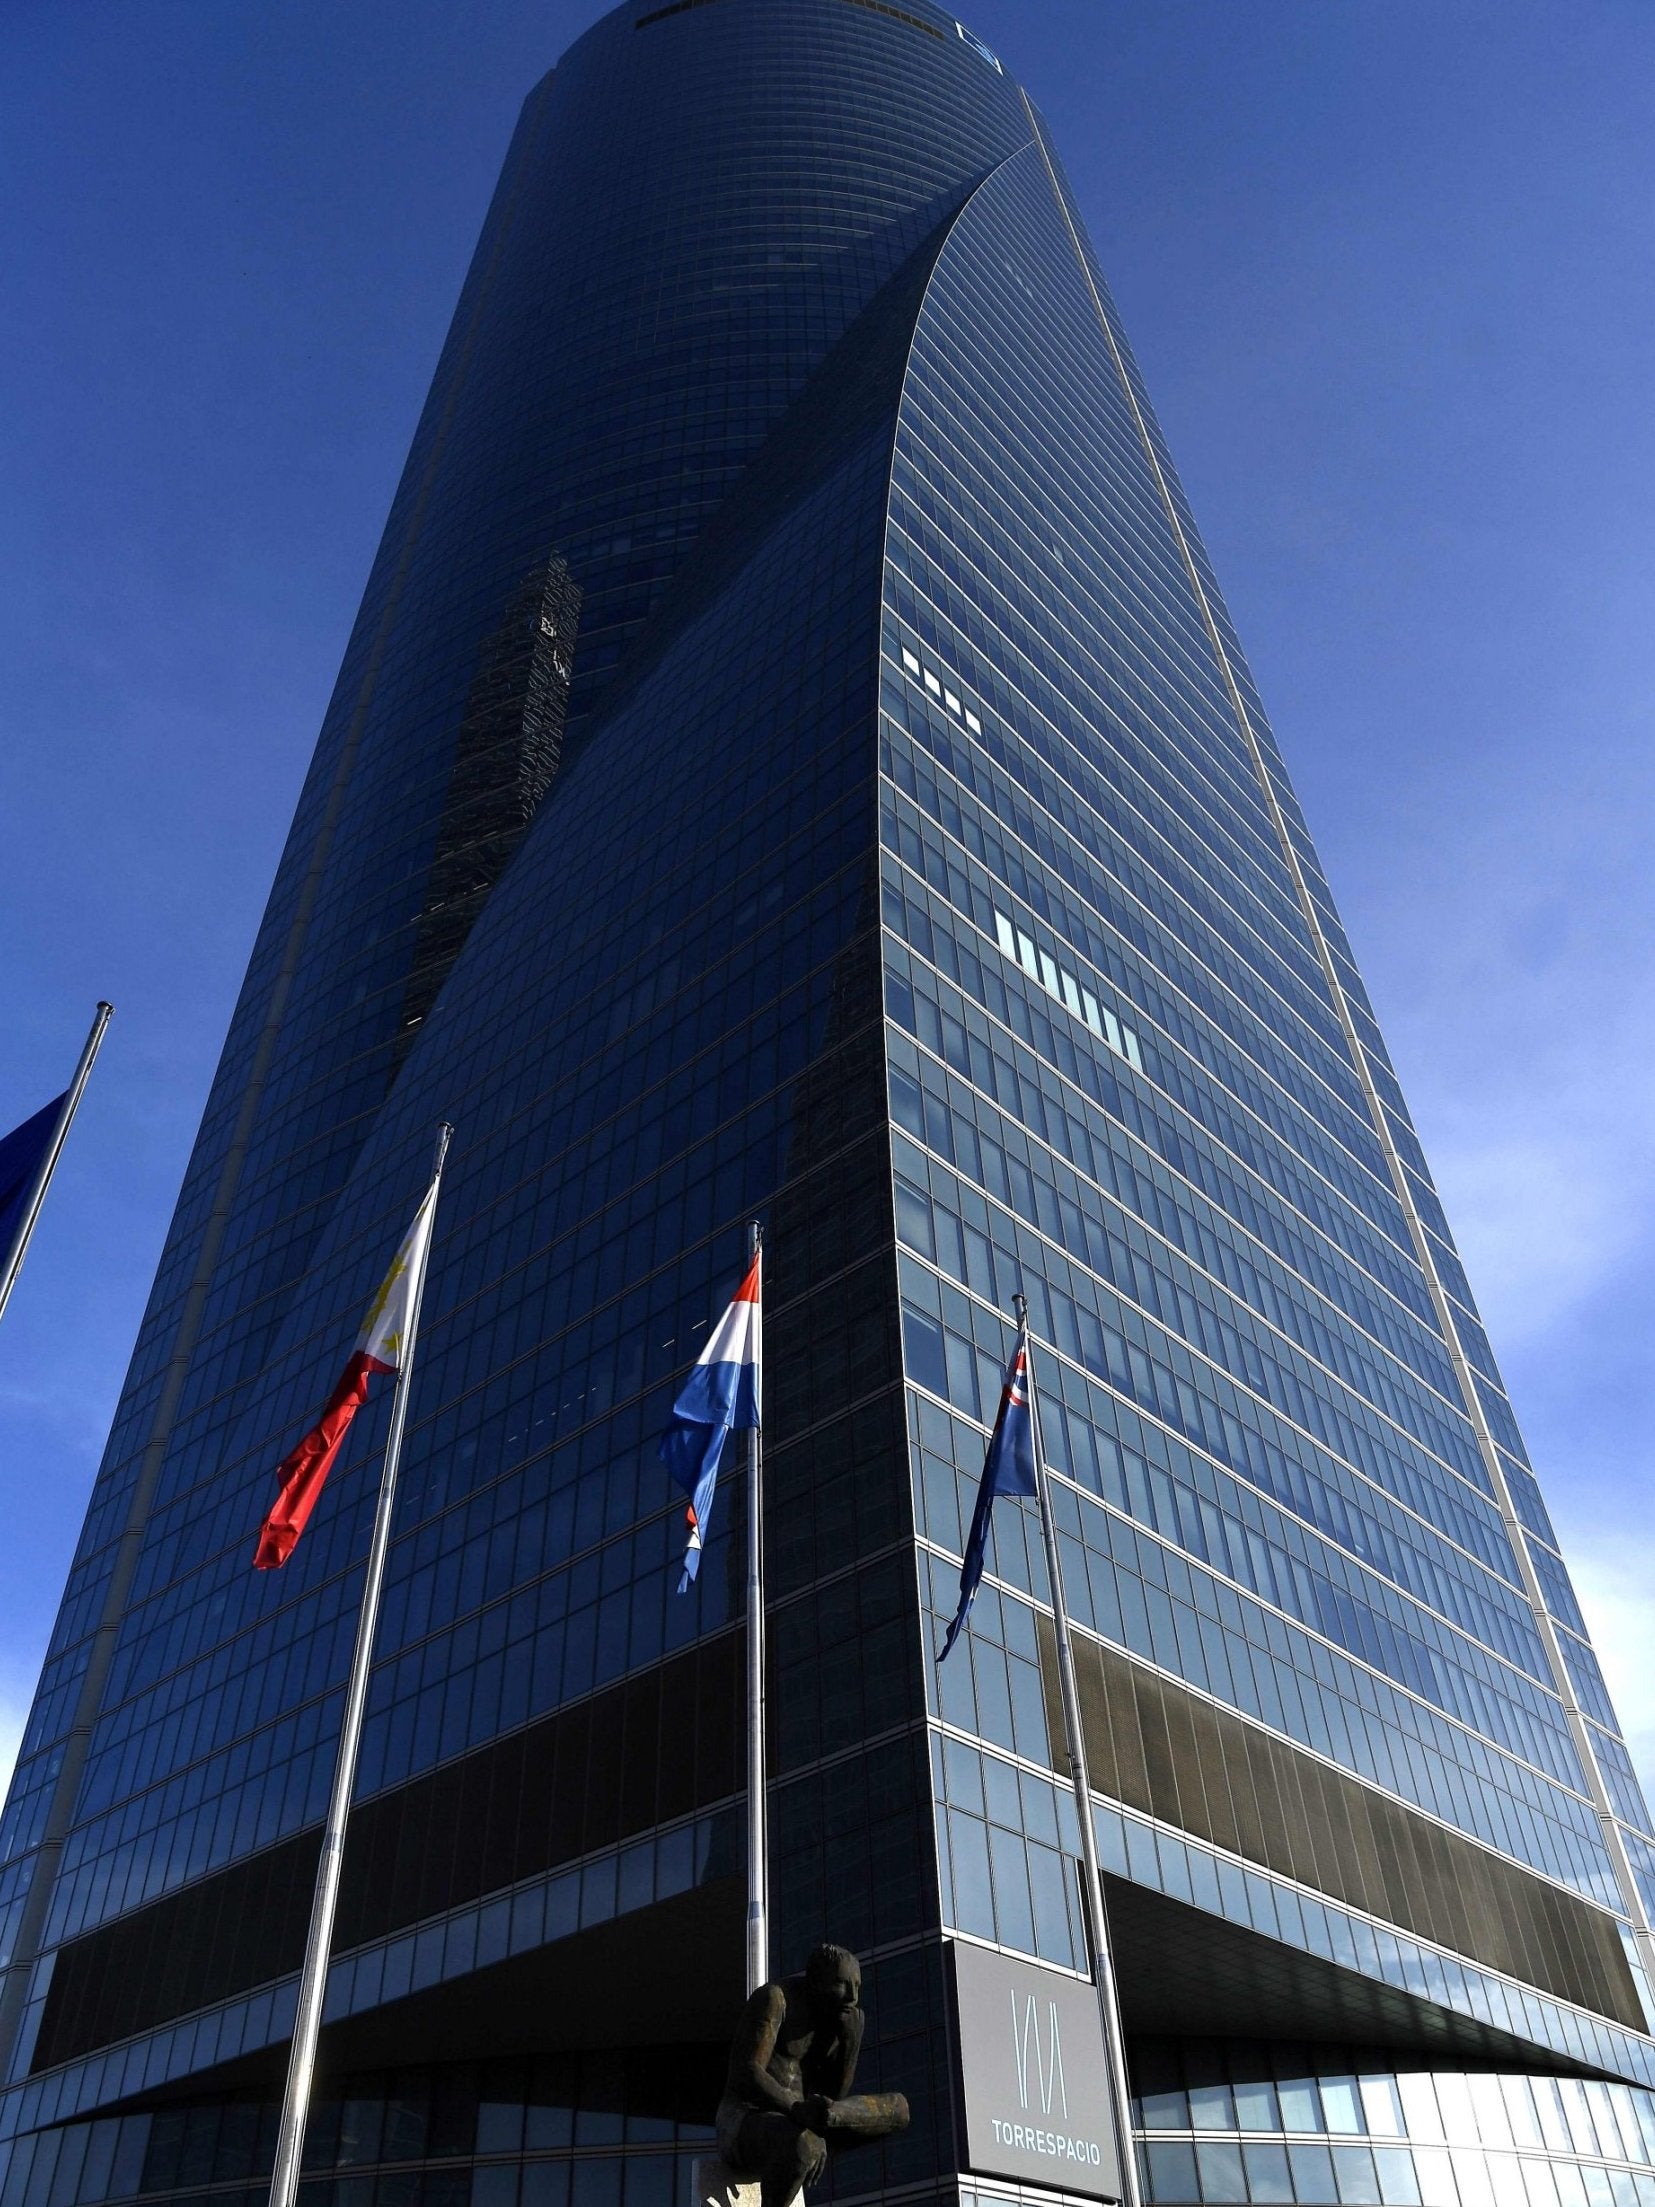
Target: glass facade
(793,760)
(1237,2121)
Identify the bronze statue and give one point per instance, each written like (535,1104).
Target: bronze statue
(787,2100)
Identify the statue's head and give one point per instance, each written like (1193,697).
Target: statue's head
(833,1980)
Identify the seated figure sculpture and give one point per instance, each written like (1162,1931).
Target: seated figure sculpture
(787,2100)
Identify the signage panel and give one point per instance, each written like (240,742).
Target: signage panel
(1033,2074)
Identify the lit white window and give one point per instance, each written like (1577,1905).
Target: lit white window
(932,684)
(977,47)
(972,722)
(909,661)
(952,702)
(1058,981)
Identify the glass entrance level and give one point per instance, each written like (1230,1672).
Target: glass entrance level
(1244,2120)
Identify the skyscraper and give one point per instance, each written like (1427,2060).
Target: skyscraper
(793,759)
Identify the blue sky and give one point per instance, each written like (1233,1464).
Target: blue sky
(1386,266)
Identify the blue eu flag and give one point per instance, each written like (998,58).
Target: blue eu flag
(21,1152)
(1008,1468)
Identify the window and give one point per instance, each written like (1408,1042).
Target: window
(977,47)
(924,1353)
(1058,981)
(935,688)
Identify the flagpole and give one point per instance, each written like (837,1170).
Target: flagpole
(1103,1959)
(307,2018)
(12,1264)
(758,1878)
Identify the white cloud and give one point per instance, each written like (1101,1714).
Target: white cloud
(14,1714)
(1545,1206)
(1512,977)
(1613,1572)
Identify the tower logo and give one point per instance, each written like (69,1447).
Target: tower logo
(1039,2060)
(1033,2073)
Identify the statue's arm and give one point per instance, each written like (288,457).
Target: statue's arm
(850,2048)
(752,2049)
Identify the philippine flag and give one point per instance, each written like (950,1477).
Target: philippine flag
(720,1396)
(379,1348)
(1008,1468)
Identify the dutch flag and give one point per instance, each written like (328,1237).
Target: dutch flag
(720,1396)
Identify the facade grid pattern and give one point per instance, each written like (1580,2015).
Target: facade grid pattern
(901,856)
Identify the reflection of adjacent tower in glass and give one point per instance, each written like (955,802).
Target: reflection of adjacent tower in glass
(506,753)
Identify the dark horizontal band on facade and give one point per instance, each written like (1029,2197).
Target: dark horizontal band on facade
(1172,1755)
(655,1747)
